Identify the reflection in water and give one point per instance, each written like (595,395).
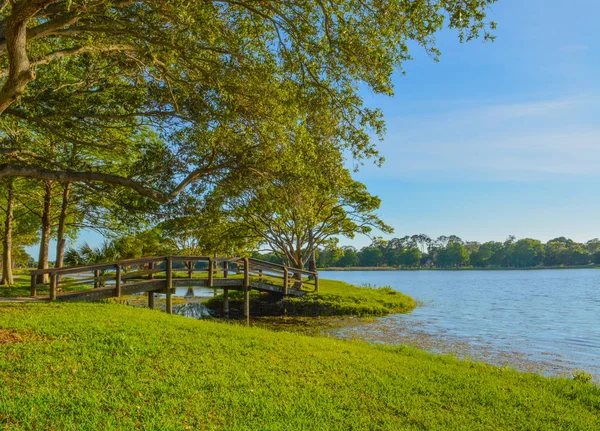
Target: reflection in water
(543,320)
(194,310)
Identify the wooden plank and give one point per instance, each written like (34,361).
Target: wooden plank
(196,258)
(236,283)
(229,282)
(256,262)
(143,286)
(88,295)
(137,274)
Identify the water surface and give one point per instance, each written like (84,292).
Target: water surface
(542,320)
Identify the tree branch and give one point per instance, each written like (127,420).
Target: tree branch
(11,170)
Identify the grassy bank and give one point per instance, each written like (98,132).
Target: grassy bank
(105,366)
(335,298)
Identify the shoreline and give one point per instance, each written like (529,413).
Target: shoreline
(387,268)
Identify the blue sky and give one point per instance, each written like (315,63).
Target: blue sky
(497,138)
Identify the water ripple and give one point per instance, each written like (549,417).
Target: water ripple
(549,319)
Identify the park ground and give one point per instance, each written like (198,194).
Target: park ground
(89,366)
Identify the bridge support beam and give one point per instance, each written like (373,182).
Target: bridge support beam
(53,284)
(96,279)
(33,286)
(151,300)
(169,285)
(151,271)
(226,302)
(118,280)
(247,290)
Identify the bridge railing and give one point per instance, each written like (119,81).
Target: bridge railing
(117,275)
(113,275)
(288,278)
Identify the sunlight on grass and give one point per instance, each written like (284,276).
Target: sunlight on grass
(89,366)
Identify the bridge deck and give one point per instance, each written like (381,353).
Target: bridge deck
(159,286)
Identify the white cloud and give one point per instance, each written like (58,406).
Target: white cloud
(499,141)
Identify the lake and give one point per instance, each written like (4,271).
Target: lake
(546,321)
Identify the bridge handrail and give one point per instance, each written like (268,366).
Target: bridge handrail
(277,265)
(97,266)
(248,264)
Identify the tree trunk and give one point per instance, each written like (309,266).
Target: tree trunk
(312,264)
(46,231)
(298,264)
(20,72)
(61,241)
(312,260)
(7,275)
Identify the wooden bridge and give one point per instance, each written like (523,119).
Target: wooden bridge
(161,275)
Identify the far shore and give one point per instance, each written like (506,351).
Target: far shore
(387,268)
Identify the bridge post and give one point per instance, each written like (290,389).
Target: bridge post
(33,288)
(118,281)
(226,302)
(260,275)
(247,290)
(169,285)
(151,300)
(53,282)
(286,278)
(96,277)
(210,272)
(226,269)
(151,268)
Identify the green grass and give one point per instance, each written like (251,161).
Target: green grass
(340,298)
(21,286)
(90,366)
(335,298)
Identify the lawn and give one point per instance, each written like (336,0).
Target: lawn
(90,366)
(21,286)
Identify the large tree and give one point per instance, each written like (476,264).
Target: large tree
(190,68)
(308,200)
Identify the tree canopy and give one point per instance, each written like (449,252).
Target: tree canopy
(453,252)
(210,79)
(112,108)
(308,199)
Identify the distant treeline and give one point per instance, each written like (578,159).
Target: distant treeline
(419,251)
